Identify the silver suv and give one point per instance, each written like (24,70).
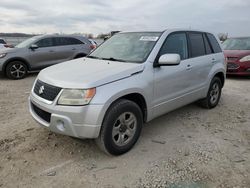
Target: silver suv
(39,52)
(130,79)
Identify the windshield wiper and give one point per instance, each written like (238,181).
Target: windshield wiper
(113,59)
(93,57)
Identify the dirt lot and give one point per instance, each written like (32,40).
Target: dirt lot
(190,147)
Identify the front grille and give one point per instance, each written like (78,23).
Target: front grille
(41,113)
(232,59)
(46,91)
(232,66)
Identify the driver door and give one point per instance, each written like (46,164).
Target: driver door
(172,83)
(44,55)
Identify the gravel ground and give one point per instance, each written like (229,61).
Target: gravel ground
(190,147)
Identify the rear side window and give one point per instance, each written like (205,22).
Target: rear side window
(197,46)
(47,42)
(175,44)
(74,41)
(64,41)
(214,43)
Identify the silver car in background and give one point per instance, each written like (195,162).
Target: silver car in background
(130,79)
(39,52)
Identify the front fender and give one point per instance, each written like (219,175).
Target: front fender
(109,93)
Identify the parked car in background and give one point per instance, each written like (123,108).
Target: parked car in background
(130,79)
(3,44)
(39,52)
(94,44)
(237,53)
(2,41)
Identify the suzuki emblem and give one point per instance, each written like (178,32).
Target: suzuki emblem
(41,90)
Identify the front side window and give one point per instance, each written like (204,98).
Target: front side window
(175,44)
(47,42)
(127,47)
(197,45)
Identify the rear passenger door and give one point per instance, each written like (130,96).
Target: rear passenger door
(68,47)
(201,58)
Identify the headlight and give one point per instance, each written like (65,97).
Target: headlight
(246,58)
(3,55)
(76,97)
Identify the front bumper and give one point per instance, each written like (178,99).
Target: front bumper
(236,68)
(76,121)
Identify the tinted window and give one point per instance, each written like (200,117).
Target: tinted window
(175,44)
(47,42)
(207,45)
(73,41)
(214,43)
(64,41)
(196,44)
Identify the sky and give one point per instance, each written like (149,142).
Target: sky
(102,16)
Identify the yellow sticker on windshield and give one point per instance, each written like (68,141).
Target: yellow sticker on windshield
(149,38)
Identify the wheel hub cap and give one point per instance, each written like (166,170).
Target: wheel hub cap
(124,128)
(214,94)
(17,70)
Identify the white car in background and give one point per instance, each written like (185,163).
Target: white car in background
(2,43)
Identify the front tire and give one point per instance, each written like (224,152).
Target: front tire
(16,70)
(213,95)
(121,127)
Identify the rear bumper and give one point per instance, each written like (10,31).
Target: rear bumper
(80,122)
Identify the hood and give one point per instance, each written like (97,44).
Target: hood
(236,53)
(87,73)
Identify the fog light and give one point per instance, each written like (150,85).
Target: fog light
(60,125)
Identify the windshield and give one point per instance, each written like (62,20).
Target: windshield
(237,44)
(127,47)
(27,42)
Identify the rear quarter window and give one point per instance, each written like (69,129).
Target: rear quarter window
(214,43)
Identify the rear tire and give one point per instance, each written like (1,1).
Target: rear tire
(16,70)
(213,94)
(121,127)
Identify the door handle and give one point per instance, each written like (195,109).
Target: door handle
(189,67)
(213,60)
(51,51)
(73,49)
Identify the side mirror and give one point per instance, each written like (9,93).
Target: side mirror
(169,59)
(33,46)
